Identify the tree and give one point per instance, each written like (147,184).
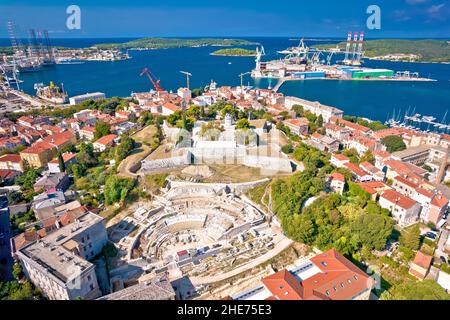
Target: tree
(368,157)
(28,178)
(61,164)
(298,109)
(372,230)
(127,144)
(287,148)
(411,290)
(300,229)
(352,154)
(101,129)
(116,189)
(410,238)
(17,271)
(319,121)
(393,143)
(242,124)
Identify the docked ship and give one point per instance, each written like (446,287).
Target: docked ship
(51,93)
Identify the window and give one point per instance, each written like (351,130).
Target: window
(323,263)
(356,277)
(349,281)
(342,284)
(327,293)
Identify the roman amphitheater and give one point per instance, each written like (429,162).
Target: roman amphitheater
(199,229)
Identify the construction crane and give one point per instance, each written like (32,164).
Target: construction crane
(188,75)
(242,77)
(150,76)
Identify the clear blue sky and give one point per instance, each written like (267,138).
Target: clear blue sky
(135,18)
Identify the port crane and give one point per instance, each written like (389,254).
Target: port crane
(242,78)
(150,76)
(188,75)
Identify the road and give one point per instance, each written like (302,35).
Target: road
(279,247)
(6,260)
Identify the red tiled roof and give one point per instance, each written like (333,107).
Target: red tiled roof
(283,286)
(59,139)
(422,260)
(38,147)
(106,139)
(406,181)
(171,106)
(340,157)
(339,280)
(399,199)
(355,169)
(439,201)
(298,122)
(10,158)
(338,176)
(66,157)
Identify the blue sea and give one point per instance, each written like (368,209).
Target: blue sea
(373,99)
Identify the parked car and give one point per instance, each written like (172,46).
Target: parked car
(443,259)
(431,235)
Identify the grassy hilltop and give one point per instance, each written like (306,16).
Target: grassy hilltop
(167,43)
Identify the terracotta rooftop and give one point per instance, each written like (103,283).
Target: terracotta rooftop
(10,158)
(399,199)
(340,157)
(422,260)
(337,176)
(106,139)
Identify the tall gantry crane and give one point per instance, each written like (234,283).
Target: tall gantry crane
(154,81)
(188,76)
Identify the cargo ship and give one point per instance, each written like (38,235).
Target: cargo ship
(51,93)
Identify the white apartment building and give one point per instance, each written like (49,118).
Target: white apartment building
(314,107)
(57,264)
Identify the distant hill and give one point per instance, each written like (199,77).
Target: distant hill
(234,52)
(167,43)
(425,50)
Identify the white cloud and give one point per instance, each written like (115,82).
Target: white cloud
(435,8)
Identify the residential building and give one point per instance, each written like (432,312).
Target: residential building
(376,173)
(158,288)
(169,108)
(420,265)
(337,132)
(315,107)
(339,160)
(88,96)
(415,155)
(39,154)
(358,174)
(69,158)
(57,263)
(298,126)
(327,276)
(11,162)
(57,181)
(323,143)
(87,133)
(405,211)
(337,182)
(104,142)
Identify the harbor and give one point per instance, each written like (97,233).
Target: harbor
(305,63)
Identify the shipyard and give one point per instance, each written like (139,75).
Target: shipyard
(305,63)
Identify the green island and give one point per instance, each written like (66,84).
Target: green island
(167,43)
(234,52)
(403,50)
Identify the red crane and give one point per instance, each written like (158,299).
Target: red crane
(150,76)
